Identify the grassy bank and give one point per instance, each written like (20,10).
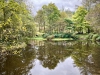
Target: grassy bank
(54,39)
(89,36)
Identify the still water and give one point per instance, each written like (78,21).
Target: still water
(54,58)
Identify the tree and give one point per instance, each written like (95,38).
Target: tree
(52,14)
(69,13)
(93,17)
(79,19)
(88,4)
(60,25)
(12,24)
(28,29)
(63,15)
(47,16)
(10,20)
(40,19)
(69,25)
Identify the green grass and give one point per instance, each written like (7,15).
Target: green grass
(39,33)
(55,39)
(61,39)
(82,36)
(38,38)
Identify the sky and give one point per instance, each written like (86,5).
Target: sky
(35,5)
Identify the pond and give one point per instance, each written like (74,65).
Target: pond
(54,58)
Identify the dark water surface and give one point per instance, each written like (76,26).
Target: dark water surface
(54,58)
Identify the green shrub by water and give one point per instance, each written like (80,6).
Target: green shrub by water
(58,35)
(95,37)
(67,35)
(45,35)
(98,38)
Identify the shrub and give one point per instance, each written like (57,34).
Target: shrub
(95,37)
(67,35)
(45,35)
(98,38)
(75,37)
(89,36)
(58,35)
(50,37)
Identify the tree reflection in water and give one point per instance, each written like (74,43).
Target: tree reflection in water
(51,53)
(17,64)
(85,55)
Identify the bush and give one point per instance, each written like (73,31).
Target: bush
(67,35)
(75,37)
(45,35)
(50,37)
(58,35)
(90,36)
(98,38)
(95,37)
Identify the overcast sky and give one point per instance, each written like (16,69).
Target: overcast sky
(66,4)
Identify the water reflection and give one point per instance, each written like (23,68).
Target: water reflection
(62,68)
(17,64)
(86,57)
(52,53)
(54,58)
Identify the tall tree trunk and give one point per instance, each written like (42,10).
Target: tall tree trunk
(4,15)
(44,27)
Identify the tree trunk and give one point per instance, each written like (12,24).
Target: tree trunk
(44,27)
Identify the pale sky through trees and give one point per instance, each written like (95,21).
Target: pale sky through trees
(66,4)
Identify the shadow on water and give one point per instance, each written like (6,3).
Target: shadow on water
(54,58)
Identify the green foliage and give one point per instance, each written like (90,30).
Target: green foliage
(66,35)
(79,15)
(15,23)
(68,21)
(51,20)
(52,12)
(98,38)
(79,20)
(63,15)
(45,35)
(58,35)
(95,37)
(40,18)
(90,36)
(69,25)
(46,17)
